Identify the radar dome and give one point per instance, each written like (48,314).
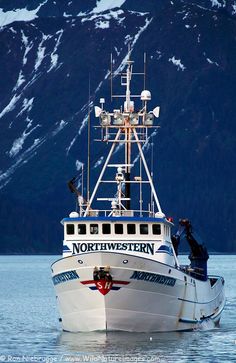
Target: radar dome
(73,215)
(146,95)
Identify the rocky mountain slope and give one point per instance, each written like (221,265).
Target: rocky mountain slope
(48,52)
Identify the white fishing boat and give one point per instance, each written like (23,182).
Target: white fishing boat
(120,268)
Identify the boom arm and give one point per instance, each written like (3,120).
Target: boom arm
(198,255)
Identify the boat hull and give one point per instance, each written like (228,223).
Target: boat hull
(143,295)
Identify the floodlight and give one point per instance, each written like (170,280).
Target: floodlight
(133,119)
(118,118)
(156,111)
(105,118)
(148,119)
(98,111)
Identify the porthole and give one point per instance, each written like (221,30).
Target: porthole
(125,262)
(80,262)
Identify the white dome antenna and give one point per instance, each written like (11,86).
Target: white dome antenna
(146,95)
(73,215)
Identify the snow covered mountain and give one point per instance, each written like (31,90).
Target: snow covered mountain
(50,49)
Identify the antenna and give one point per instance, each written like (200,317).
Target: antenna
(144,70)
(82,182)
(152,172)
(88,160)
(140,187)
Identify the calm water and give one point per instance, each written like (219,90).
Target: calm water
(30,331)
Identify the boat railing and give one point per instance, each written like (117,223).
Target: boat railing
(120,213)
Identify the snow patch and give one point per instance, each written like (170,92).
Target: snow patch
(103,17)
(159,55)
(27,106)
(67,15)
(5,177)
(102,24)
(234,9)
(24,38)
(217,3)
(40,53)
(146,146)
(117,51)
(99,162)
(177,63)
(11,105)
(19,82)
(27,47)
(79,165)
(11,16)
(212,62)
(132,42)
(13,30)
(60,127)
(104,5)
(18,143)
(54,56)
(83,124)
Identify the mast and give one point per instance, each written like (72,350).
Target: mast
(128,108)
(88,141)
(126,126)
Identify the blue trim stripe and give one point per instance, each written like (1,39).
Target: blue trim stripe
(165,249)
(117,219)
(66,248)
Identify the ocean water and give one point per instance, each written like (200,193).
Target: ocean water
(30,330)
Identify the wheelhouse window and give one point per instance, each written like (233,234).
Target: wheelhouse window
(93,228)
(131,228)
(70,229)
(106,228)
(143,228)
(156,229)
(118,228)
(81,228)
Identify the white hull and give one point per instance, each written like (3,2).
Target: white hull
(145,296)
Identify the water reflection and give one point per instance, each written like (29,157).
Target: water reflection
(119,346)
